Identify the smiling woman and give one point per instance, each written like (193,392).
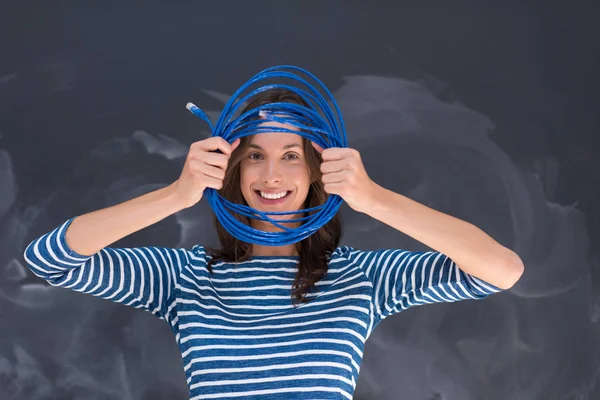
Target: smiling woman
(272,163)
(239,333)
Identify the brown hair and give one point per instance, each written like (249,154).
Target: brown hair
(316,249)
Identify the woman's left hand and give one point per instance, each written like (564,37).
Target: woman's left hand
(344,174)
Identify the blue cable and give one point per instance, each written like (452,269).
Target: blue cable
(317,123)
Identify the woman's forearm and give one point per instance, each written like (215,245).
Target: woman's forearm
(469,247)
(91,232)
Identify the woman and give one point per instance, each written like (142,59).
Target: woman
(240,334)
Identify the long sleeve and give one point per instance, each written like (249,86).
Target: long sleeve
(403,279)
(141,277)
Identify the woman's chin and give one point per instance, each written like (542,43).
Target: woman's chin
(280,219)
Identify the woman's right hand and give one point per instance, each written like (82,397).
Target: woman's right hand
(203,168)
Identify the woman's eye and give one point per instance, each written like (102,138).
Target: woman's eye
(289,156)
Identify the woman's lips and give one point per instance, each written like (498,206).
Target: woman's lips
(272,201)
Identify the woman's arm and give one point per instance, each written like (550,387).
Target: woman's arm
(88,233)
(75,255)
(469,247)
(475,252)
(402,279)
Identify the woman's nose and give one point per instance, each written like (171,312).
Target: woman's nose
(272,171)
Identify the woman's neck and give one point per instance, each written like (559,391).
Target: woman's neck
(286,250)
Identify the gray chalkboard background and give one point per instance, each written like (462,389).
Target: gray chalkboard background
(486,112)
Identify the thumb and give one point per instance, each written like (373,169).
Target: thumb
(235,144)
(317,147)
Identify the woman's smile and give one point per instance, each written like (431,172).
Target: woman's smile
(273,198)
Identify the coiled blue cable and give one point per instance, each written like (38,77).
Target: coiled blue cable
(317,123)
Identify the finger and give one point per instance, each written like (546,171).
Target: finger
(213,182)
(216,159)
(332,166)
(211,171)
(215,143)
(335,177)
(333,188)
(235,144)
(333,153)
(317,147)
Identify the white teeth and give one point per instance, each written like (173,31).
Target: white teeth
(272,196)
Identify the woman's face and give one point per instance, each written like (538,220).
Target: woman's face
(274,165)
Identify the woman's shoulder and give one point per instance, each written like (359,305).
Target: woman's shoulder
(342,251)
(200,251)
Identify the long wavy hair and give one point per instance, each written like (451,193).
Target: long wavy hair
(314,251)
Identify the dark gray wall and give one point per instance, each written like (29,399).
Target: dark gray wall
(488,113)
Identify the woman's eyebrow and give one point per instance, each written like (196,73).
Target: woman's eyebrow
(287,146)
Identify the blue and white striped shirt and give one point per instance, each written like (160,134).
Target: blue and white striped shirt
(239,334)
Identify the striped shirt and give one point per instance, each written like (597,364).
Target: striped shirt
(239,334)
